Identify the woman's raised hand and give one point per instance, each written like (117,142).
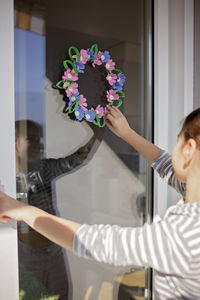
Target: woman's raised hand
(117,123)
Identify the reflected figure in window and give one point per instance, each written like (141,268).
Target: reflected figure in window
(41,258)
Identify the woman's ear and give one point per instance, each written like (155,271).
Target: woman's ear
(188,151)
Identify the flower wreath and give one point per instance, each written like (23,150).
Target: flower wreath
(77,103)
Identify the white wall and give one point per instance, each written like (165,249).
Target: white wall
(173,80)
(8,233)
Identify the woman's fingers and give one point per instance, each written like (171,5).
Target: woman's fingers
(110,118)
(113,112)
(116,110)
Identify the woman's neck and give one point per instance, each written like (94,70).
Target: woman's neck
(18,168)
(19,165)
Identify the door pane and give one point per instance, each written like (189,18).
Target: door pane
(74,169)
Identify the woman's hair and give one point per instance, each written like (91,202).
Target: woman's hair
(25,127)
(191,126)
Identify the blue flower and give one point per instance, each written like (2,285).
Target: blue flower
(79,113)
(105,56)
(73,98)
(119,82)
(117,86)
(121,79)
(90,53)
(79,66)
(89,115)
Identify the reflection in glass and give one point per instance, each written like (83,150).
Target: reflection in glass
(73,169)
(34,175)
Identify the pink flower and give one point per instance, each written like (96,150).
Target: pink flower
(106,110)
(111,96)
(97,60)
(83,56)
(111,78)
(99,110)
(83,102)
(70,75)
(71,89)
(110,65)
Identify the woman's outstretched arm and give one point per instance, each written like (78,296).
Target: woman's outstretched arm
(154,245)
(56,229)
(118,124)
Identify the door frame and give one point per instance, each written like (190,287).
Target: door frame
(8,232)
(173,82)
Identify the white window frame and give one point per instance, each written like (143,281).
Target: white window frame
(8,233)
(173,82)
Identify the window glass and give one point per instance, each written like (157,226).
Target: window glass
(74,169)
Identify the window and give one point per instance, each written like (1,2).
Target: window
(70,168)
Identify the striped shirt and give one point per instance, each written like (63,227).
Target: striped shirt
(170,246)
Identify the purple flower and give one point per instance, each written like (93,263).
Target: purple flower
(111,78)
(72,89)
(111,96)
(83,102)
(106,110)
(79,113)
(70,75)
(89,115)
(121,78)
(73,98)
(97,60)
(83,56)
(90,54)
(117,86)
(100,111)
(110,65)
(119,82)
(79,67)
(105,56)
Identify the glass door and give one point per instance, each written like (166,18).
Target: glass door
(71,167)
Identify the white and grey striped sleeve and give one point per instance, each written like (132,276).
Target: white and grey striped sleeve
(163,165)
(158,245)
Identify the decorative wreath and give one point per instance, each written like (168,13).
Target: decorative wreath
(77,103)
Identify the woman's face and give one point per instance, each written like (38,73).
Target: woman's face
(178,158)
(28,146)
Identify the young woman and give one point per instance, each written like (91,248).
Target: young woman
(170,246)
